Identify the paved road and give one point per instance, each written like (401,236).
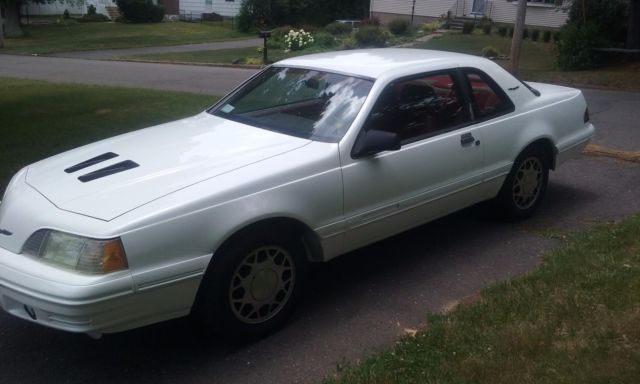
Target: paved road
(113,53)
(358,303)
(197,79)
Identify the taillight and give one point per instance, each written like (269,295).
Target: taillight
(586,115)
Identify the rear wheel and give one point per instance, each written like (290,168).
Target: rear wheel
(525,185)
(252,286)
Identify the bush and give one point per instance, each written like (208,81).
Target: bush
(546,36)
(525,34)
(370,21)
(140,11)
(490,52)
(96,17)
(337,28)
(467,27)
(324,40)
(510,32)
(556,36)
(502,31)
(575,48)
(399,27)
(91,10)
(535,35)
(66,15)
(486,29)
(430,27)
(370,36)
(348,43)
(297,40)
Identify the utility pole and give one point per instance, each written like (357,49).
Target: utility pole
(413,10)
(516,41)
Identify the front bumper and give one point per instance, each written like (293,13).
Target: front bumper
(85,304)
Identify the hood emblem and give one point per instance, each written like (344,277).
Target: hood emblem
(5,232)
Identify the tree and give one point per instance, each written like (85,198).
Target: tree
(516,40)
(11,11)
(633,33)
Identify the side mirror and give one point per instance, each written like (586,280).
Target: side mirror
(375,141)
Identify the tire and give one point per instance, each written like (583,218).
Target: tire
(525,186)
(252,285)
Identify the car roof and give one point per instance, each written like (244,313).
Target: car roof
(375,63)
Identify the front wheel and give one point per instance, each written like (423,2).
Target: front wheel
(252,285)
(525,185)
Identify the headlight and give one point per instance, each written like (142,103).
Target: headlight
(78,253)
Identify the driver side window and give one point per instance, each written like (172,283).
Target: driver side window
(419,107)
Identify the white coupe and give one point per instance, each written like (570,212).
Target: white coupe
(220,214)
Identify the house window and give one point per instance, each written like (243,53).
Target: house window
(229,1)
(208,2)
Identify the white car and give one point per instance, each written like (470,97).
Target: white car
(220,214)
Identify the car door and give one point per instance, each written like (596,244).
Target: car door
(437,169)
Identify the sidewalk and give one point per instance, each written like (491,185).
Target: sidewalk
(113,53)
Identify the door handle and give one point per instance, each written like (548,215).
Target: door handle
(467,139)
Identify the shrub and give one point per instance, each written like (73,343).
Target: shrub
(467,27)
(398,26)
(502,31)
(349,43)
(535,35)
(575,48)
(337,28)
(525,34)
(510,32)
(370,36)
(297,40)
(96,17)
(324,40)
(91,10)
(546,36)
(371,21)
(140,11)
(486,29)
(556,36)
(490,52)
(430,27)
(66,15)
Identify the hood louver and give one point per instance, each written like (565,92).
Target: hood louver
(110,170)
(92,161)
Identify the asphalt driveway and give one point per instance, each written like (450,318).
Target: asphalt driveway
(358,303)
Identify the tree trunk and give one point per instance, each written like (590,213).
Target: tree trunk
(12,19)
(1,26)
(633,33)
(516,41)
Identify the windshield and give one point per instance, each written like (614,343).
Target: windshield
(300,102)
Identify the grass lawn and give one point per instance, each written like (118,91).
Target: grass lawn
(573,320)
(40,119)
(538,61)
(221,56)
(53,38)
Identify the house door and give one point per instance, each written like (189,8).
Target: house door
(479,7)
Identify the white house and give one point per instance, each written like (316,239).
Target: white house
(75,8)
(192,8)
(540,13)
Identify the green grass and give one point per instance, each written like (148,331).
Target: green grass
(39,119)
(51,38)
(575,319)
(538,61)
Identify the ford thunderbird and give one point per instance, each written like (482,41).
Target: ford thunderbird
(219,215)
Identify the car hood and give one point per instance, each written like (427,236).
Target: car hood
(151,163)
